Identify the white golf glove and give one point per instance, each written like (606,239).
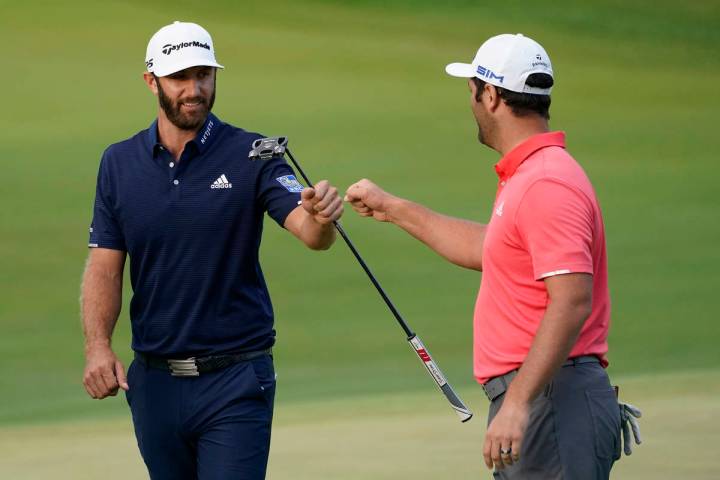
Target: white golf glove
(628,420)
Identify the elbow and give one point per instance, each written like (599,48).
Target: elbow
(471,262)
(320,243)
(322,240)
(476,260)
(319,247)
(472,266)
(575,311)
(584,313)
(581,309)
(585,304)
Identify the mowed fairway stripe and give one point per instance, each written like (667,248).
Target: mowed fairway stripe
(389,437)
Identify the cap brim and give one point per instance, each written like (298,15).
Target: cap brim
(462,70)
(186,63)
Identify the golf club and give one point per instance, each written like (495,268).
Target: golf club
(270,147)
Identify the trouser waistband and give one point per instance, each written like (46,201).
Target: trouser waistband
(496,386)
(194,366)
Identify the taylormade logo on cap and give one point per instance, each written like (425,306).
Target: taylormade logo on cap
(168,49)
(178,46)
(506,61)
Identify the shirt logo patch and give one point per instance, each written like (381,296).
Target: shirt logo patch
(221,182)
(290,183)
(499,209)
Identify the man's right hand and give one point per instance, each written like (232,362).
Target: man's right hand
(369,200)
(104,373)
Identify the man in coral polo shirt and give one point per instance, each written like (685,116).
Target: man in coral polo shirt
(543,311)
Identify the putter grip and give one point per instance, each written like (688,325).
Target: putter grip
(463,412)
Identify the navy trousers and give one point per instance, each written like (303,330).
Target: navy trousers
(211,427)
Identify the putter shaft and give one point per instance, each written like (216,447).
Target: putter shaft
(350,244)
(415,343)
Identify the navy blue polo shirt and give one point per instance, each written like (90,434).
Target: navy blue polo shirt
(192,230)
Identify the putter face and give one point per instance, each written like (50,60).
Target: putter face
(267,148)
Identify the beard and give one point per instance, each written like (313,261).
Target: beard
(480,135)
(486,128)
(186,120)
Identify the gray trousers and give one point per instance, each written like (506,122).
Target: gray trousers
(574,429)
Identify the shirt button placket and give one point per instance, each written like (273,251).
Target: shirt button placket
(175,195)
(175,181)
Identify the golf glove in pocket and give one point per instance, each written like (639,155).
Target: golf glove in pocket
(628,420)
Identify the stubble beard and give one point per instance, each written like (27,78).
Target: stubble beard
(485,131)
(190,121)
(481,135)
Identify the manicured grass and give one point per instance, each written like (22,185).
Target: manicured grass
(387,436)
(359,88)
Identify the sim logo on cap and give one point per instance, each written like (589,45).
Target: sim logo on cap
(487,73)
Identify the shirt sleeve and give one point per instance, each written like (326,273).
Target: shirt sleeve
(278,189)
(555,222)
(105,230)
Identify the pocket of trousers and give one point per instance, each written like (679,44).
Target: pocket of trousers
(605,413)
(264,371)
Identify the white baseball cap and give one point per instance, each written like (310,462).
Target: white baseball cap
(506,61)
(178,46)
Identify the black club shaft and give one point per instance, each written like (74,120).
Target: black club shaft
(360,260)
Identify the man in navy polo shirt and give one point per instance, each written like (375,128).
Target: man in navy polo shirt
(185,203)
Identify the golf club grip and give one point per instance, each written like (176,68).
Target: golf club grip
(408,332)
(460,408)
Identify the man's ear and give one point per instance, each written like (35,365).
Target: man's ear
(492,98)
(151,81)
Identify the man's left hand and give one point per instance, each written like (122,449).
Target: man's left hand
(322,202)
(504,436)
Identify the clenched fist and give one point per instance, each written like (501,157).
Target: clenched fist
(322,202)
(369,200)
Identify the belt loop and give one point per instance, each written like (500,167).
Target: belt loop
(504,382)
(548,389)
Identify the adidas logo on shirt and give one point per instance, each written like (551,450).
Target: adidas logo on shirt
(221,182)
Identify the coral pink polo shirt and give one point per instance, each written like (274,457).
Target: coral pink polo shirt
(546,221)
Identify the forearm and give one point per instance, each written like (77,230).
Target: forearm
(101,298)
(457,240)
(553,342)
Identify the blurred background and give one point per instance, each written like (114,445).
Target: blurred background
(359,88)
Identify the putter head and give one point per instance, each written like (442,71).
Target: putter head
(267,148)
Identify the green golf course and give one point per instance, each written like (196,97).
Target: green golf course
(360,90)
